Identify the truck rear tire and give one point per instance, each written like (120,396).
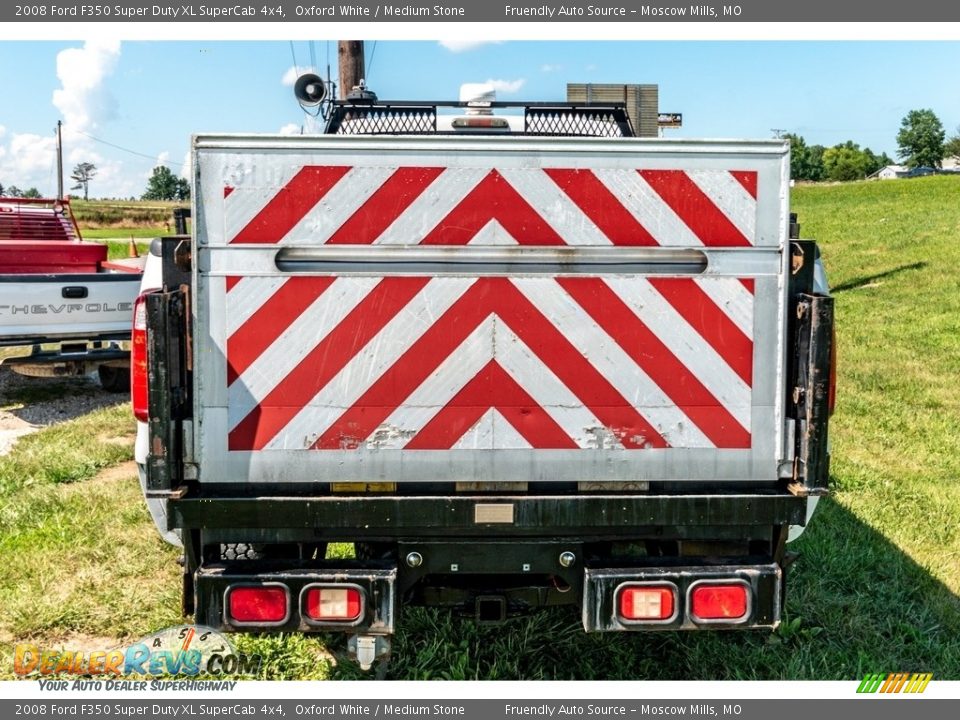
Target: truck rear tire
(114,379)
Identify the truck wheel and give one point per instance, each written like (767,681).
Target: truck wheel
(114,379)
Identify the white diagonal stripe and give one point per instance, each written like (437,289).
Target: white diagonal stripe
(695,353)
(649,209)
(247,296)
(732,298)
(609,359)
(555,207)
(493,233)
(243,204)
(441,385)
(492,430)
(368,365)
(549,392)
(294,344)
(730,197)
(336,207)
(432,206)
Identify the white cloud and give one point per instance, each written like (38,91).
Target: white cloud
(186,170)
(293,72)
(507,86)
(82,99)
(459,46)
(3,131)
(290,129)
(548,68)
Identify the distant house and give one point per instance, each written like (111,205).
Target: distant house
(895,172)
(890,172)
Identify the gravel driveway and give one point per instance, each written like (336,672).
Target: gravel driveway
(30,404)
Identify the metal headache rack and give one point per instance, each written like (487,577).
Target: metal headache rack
(420,118)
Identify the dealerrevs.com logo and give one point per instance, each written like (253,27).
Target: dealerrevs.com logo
(895,683)
(183,650)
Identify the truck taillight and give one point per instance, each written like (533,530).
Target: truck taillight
(333,604)
(647,602)
(716,601)
(258,604)
(138,360)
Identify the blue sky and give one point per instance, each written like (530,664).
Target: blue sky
(149,97)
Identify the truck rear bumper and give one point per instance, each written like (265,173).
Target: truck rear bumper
(715,515)
(602,604)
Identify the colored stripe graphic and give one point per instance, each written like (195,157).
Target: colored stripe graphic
(893,683)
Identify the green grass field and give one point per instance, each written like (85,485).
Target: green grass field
(875,589)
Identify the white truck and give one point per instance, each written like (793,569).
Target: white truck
(515,364)
(63,306)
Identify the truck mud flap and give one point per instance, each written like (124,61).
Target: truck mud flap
(168,368)
(811,394)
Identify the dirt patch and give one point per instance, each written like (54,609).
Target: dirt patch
(28,404)
(123,471)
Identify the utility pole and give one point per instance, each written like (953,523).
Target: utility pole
(350,60)
(59,160)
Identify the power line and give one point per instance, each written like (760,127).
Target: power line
(370,64)
(126,150)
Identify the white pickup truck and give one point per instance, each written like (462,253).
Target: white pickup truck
(62,303)
(534,361)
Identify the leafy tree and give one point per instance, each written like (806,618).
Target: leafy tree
(82,174)
(846,162)
(1,189)
(920,140)
(14,191)
(875,162)
(950,150)
(164,185)
(806,163)
(31,193)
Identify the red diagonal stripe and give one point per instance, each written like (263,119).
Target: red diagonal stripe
(501,297)
(601,206)
(747,283)
(492,387)
(334,351)
(232,280)
(710,322)
(385,205)
(748,179)
(270,320)
(493,199)
(695,208)
(291,203)
(657,361)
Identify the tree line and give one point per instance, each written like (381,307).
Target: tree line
(921,142)
(162,184)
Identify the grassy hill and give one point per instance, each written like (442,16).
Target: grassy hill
(875,589)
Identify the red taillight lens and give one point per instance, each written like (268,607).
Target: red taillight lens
(647,602)
(333,604)
(262,604)
(719,602)
(138,361)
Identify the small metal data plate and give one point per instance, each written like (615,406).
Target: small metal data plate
(493,513)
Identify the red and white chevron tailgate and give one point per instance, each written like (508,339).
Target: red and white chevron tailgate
(396,361)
